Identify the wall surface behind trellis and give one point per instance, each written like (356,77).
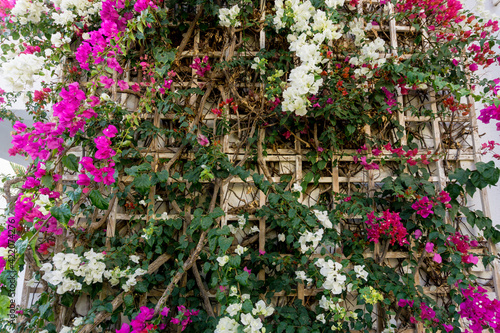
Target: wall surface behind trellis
(489,131)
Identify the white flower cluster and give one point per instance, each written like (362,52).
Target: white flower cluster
(20,71)
(259,64)
(301,275)
(323,218)
(240,250)
(43,202)
(68,267)
(227,17)
(369,56)
(241,226)
(296,187)
(356,28)
(116,274)
(360,272)
(334,279)
(338,311)
(305,40)
(57,40)
(59,274)
(223,260)
(227,325)
(68,9)
(251,321)
(28,11)
(310,240)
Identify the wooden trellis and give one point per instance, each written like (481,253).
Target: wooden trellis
(457,138)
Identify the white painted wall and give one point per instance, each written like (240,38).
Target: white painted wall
(488,131)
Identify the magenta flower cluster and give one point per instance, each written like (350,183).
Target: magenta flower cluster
(389,99)
(201,66)
(463,244)
(423,206)
(105,37)
(389,224)
(141,323)
(481,312)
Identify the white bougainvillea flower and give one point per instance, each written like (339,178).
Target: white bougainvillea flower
(223,260)
(228,17)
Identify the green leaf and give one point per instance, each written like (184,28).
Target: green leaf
(98,200)
(47,181)
(321,165)
(4,305)
(247,306)
(242,278)
(217,212)
(142,286)
(225,243)
(128,300)
(44,308)
(460,175)
(67,300)
(234,261)
(21,245)
(162,176)
(206,222)
(456,259)
(71,162)
(282,326)
(350,129)
(163,56)
(108,307)
(61,213)
(142,183)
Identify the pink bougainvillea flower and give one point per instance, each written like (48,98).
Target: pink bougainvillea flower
(106,81)
(249,271)
(455,62)
(470,259)
(448,328)
(402,303)
(110,131)
(125,328)
(164,311)
(168,84)
(427,313)
(423,207)
(19,127)
(389,224)
(122,84)
(437,258)
(94,100)
(320,149)
(203,140)
(142,5)
(262,252)
(429,247)
(136,87)
(417,234)
(473,67)
(201,66)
